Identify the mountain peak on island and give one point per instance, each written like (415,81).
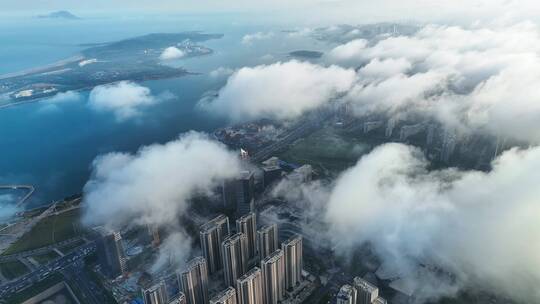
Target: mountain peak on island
(59,15)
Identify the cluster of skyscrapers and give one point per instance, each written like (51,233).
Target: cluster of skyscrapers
(212,235)
(233,254)
(360,292)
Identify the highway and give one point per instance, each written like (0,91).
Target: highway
(77,277)
(43,272)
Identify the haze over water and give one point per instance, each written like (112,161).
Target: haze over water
(52,145)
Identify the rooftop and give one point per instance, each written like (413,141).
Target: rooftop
(272,258)
(250,274)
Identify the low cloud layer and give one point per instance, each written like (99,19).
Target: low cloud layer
(175,250)
(7,207)
(471,80)
(249,39)
(282,90)
(172,53)
(482,227)
(480,79)
(125,99)
(221,72)
(155,185)
(347,53)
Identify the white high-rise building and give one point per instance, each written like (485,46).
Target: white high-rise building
(156,294)
(380,300)
(273,273)
(212,234)
(235,257)
(249,288)
(267,240)
(247,224)
(346,295)
(179,299)
(227,296)
(366,292)
(193,281)
(292,250)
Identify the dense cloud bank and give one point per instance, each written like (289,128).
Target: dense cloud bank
(282,90)
(154,186)
(477,79)
(483,228)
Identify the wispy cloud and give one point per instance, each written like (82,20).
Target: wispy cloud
(249,39)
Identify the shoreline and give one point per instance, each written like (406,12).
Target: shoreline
(43,68)
(87,88)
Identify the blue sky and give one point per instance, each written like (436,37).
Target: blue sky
(301,11)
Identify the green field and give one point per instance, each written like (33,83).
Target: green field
(328,150)
(51,230)
(13,269)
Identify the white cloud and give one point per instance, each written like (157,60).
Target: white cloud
(172,53)
(221,72)
(472,80)
(176,248)
(154,185)
(476,80)
(64,97)
(7,206)
(52,104)
(280,90)
(483,227)
(125,99)
(385,68)
(391,94)
(348,53)
(249,39)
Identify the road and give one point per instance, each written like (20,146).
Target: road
(77,277)
(43,272)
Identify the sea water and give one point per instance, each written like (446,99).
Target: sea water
(51,145)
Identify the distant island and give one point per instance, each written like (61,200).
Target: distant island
(135,59)
(306,54)
(59,15)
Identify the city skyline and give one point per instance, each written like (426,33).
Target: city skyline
(291,152)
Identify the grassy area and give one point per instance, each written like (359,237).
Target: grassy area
(328,150)
(13,269)
(35,289)
(43,259)
(50,230)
